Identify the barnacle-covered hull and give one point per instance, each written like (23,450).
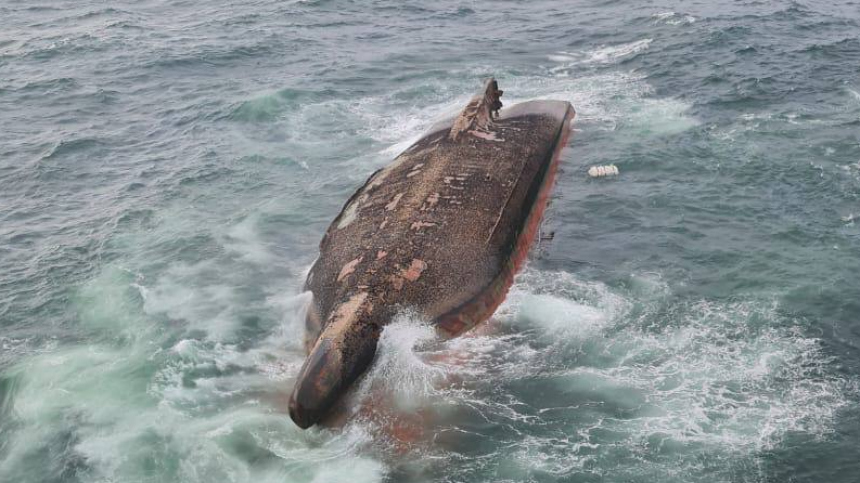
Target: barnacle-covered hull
(440,231)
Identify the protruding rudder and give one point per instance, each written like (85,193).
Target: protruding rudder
(478,114)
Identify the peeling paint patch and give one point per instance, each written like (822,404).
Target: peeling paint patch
(415,170)
(383,224)
(378,178)
(348,269)
(346,313)
(393,204)
(391,167)
(489,136)
(415,269)
(421,224)
(396,282)
(432,200)
(348,215)
(351,211)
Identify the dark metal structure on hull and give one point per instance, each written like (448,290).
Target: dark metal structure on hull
(442,231)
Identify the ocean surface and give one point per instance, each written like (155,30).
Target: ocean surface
(167,170)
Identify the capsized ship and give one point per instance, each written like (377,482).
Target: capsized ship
(440,231)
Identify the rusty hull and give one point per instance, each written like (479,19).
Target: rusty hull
(440,231)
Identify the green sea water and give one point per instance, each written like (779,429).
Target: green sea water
(167,170)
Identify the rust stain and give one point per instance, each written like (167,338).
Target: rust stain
(348,269)
(414,271)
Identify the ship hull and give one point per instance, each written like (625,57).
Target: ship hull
(440,232)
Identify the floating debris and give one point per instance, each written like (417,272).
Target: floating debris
(603,171)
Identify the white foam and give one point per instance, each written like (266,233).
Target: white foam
(185,348)
(400,126)
(692,380)
(673,18)
(613,53)
(605,54)
(725,380)
(398,370)
(197,296)
(609,101)
(107,303)
(566,57)
(561,316)
(243,238)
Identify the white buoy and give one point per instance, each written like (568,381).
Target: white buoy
(603,171)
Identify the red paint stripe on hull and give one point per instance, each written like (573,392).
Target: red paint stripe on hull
(484,305)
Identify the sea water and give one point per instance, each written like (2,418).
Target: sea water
(167,170)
